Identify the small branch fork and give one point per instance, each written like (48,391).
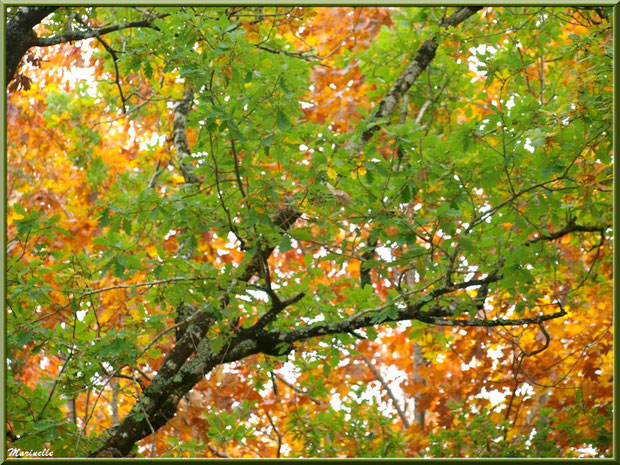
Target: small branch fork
(179,373)
(414,310)
(277,306)
(411,311)
(408,310)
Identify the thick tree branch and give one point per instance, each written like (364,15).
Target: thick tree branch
(240,348)
(27,17)
(412,312)
(422,59)
(20,36)
(179,127)
(492,322)
(177,375)
(374,316)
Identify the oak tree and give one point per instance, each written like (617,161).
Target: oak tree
(309,232)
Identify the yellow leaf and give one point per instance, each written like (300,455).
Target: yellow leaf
(331,173)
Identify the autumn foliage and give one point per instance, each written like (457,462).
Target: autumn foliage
(443,289)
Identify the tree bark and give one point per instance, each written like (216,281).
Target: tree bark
(422,59)
(158,403)
(20,35)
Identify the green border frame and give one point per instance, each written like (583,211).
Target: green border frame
(3,204)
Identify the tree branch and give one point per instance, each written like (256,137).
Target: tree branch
(179,128)
(86,292)
(487,214)
(572,226)
(276,308)
(388,390)
(422,59)
(304,55)
(298,390)
(178,375)
(491,323)
(19,34)
(114,56)
(75,36)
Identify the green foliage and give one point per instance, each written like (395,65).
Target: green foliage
(225,427)
(458,184)
(476,434)
(355,429)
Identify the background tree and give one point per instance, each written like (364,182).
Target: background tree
(284,231)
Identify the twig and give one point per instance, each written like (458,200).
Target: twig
(422,111)
(304,54)
(487,214)
(236,164)
(384,384)
(278,434)
(542,79)
(298,390)
(157,173)
(49,398)
(341,42)
(220,195)
(132,378)
(572,226)
(261,15)
(84,293)
(217,453)
(276,308)
(112,52)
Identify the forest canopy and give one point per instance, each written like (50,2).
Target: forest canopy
(309,231)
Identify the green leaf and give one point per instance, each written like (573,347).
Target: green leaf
(126,225)
(285,244)
(282,121)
